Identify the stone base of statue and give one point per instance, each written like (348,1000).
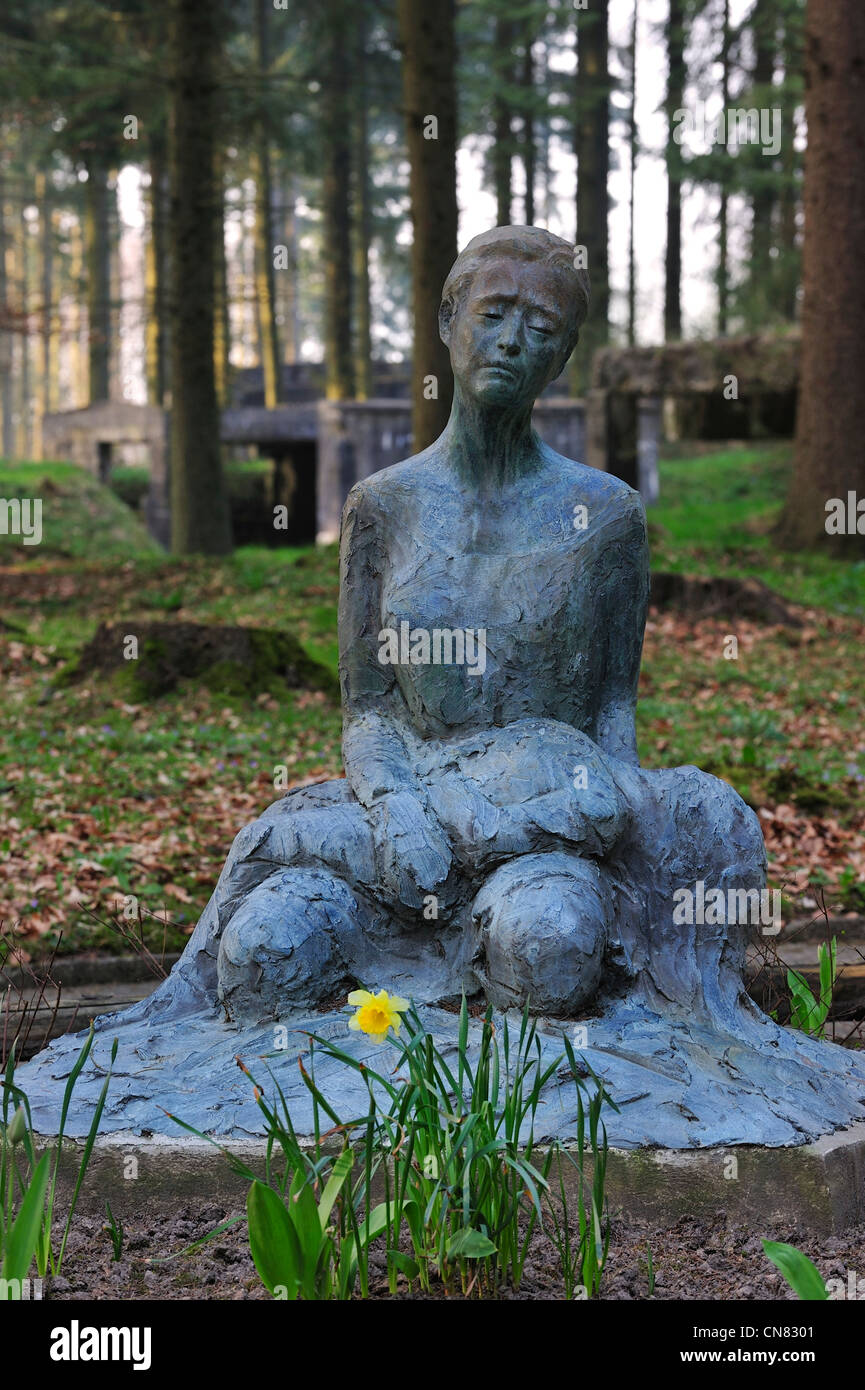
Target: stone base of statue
(676,1085)
(687,1057)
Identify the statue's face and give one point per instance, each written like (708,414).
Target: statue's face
(508,337)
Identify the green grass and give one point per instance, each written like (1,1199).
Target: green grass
(148,797)
(715,516)
(80,518)
(782,722)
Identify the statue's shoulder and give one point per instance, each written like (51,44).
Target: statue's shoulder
(603,489)
(385,490)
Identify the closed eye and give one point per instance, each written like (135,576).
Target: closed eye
(537,328)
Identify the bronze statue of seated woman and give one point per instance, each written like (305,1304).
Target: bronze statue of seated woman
(494,831)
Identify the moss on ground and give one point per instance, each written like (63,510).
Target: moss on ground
(145,661)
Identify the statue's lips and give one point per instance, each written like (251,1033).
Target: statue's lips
(498,367)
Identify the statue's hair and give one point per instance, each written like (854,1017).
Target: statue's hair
(522,243)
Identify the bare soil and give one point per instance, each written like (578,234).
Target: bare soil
(692,1259)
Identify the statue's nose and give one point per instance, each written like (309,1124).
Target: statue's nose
(509,340)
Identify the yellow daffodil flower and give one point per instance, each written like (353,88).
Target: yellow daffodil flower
(376,1013)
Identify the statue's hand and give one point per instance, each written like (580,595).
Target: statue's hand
(523,788)
(414,853)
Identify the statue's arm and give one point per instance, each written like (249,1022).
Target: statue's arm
(375,752)
(415,855)
(624,607)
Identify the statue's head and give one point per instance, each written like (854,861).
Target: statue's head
(511,311)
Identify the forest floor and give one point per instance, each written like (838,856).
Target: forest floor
(103,798)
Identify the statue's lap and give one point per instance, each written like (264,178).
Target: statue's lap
(537,881)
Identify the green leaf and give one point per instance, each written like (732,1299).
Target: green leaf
(340,1171)
(273,1240)
(404,1263)
(803,1277)
(379,1219)
(303,1209)
(24,1236)
(303,1213)
(827,957)
(469,1244)
(85,1157)
(803,1006)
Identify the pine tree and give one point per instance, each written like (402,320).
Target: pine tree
(429,99)
(633,145)
(675,99)
(336,201)
(592,143)
(6,406)
(829,457)
(362,214)
(265,238)
(199,506)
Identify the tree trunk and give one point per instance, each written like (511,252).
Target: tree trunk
(632,149)
(593,161)
(289,279)
(723,211)
(790,200)
(155,270)
(763,200)
(362,225)
(80,375)
(503,65)
(336,197)
(47,345)
(6,408)
(675,102)
(544,151)
(199,508)
(97,252)
(528,150)
(265,283)
(242,267)
(830,427)
(25,388)
(592,146)
(429,99)
(221,305)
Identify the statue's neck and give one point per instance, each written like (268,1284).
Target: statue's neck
(490,443)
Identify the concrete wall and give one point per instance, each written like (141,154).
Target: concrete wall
(86,436)
(623,435)
(354,439)
(674,390)
(357,438)
(77,434)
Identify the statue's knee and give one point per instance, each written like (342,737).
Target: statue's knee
(282,948)
(542,925)
(251,840)
(728,823)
